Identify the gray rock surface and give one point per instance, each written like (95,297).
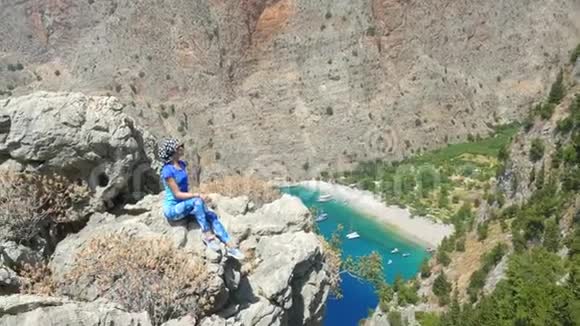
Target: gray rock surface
(497,274)
(183,321)
(261,313)
(231,206)
(17,310)
(286,215)
(15,255)
(270,85)
(88,138)
(274,275)
(283,281)
(9,280)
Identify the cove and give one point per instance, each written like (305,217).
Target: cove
(359,296)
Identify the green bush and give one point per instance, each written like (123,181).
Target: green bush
(427,318)
(565,125)
(442,288)
(425,269)
(552,236)
(395,318)
(528,123)
(537,150)
(482,230)
(503,153)
(443,258)
(575,54)
(545,111)
(460,244)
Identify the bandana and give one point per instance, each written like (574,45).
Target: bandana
(167,148)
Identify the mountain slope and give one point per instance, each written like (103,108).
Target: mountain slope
(293,87)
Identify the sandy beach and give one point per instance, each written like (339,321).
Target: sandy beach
(418,229)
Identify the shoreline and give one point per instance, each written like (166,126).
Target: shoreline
(417,229)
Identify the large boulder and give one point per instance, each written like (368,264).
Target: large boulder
(80,136)
(274,275)
(15,255)
(17,310)
(284,215)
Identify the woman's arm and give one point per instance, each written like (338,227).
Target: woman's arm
(179,194)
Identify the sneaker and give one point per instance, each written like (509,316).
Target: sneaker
(212,244)
(235,253)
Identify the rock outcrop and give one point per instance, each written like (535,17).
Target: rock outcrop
(497,274)
(278,87)
(88,138)
(282,282)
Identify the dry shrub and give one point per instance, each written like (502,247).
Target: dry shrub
(37,279)
(259,191)
(142,275)
(20,215)
(28,202)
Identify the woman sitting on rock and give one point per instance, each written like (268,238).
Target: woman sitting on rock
(179,203)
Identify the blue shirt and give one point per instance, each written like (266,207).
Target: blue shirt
(180,177)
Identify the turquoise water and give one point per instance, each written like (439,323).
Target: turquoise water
(358,296)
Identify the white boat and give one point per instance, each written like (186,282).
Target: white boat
(395,250)
(406,255)
(390,262)
(352,235)
(324,198)
(430,250)
(321,217)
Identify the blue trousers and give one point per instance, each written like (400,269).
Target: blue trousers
(207,220)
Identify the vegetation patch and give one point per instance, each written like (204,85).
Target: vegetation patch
(33,204)
(440,182)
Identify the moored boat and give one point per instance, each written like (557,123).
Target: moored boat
(352,235)
(324,198)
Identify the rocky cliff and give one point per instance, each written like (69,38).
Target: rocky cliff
(131,267)
(284,281)
(292,87)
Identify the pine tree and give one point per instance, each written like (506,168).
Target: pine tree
(540,177)
(425,269)
(552,236)
(442,288)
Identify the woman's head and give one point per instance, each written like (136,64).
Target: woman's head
(170,149)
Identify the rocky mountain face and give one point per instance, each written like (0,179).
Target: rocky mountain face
(85,138)
(292,87)
(283,281)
